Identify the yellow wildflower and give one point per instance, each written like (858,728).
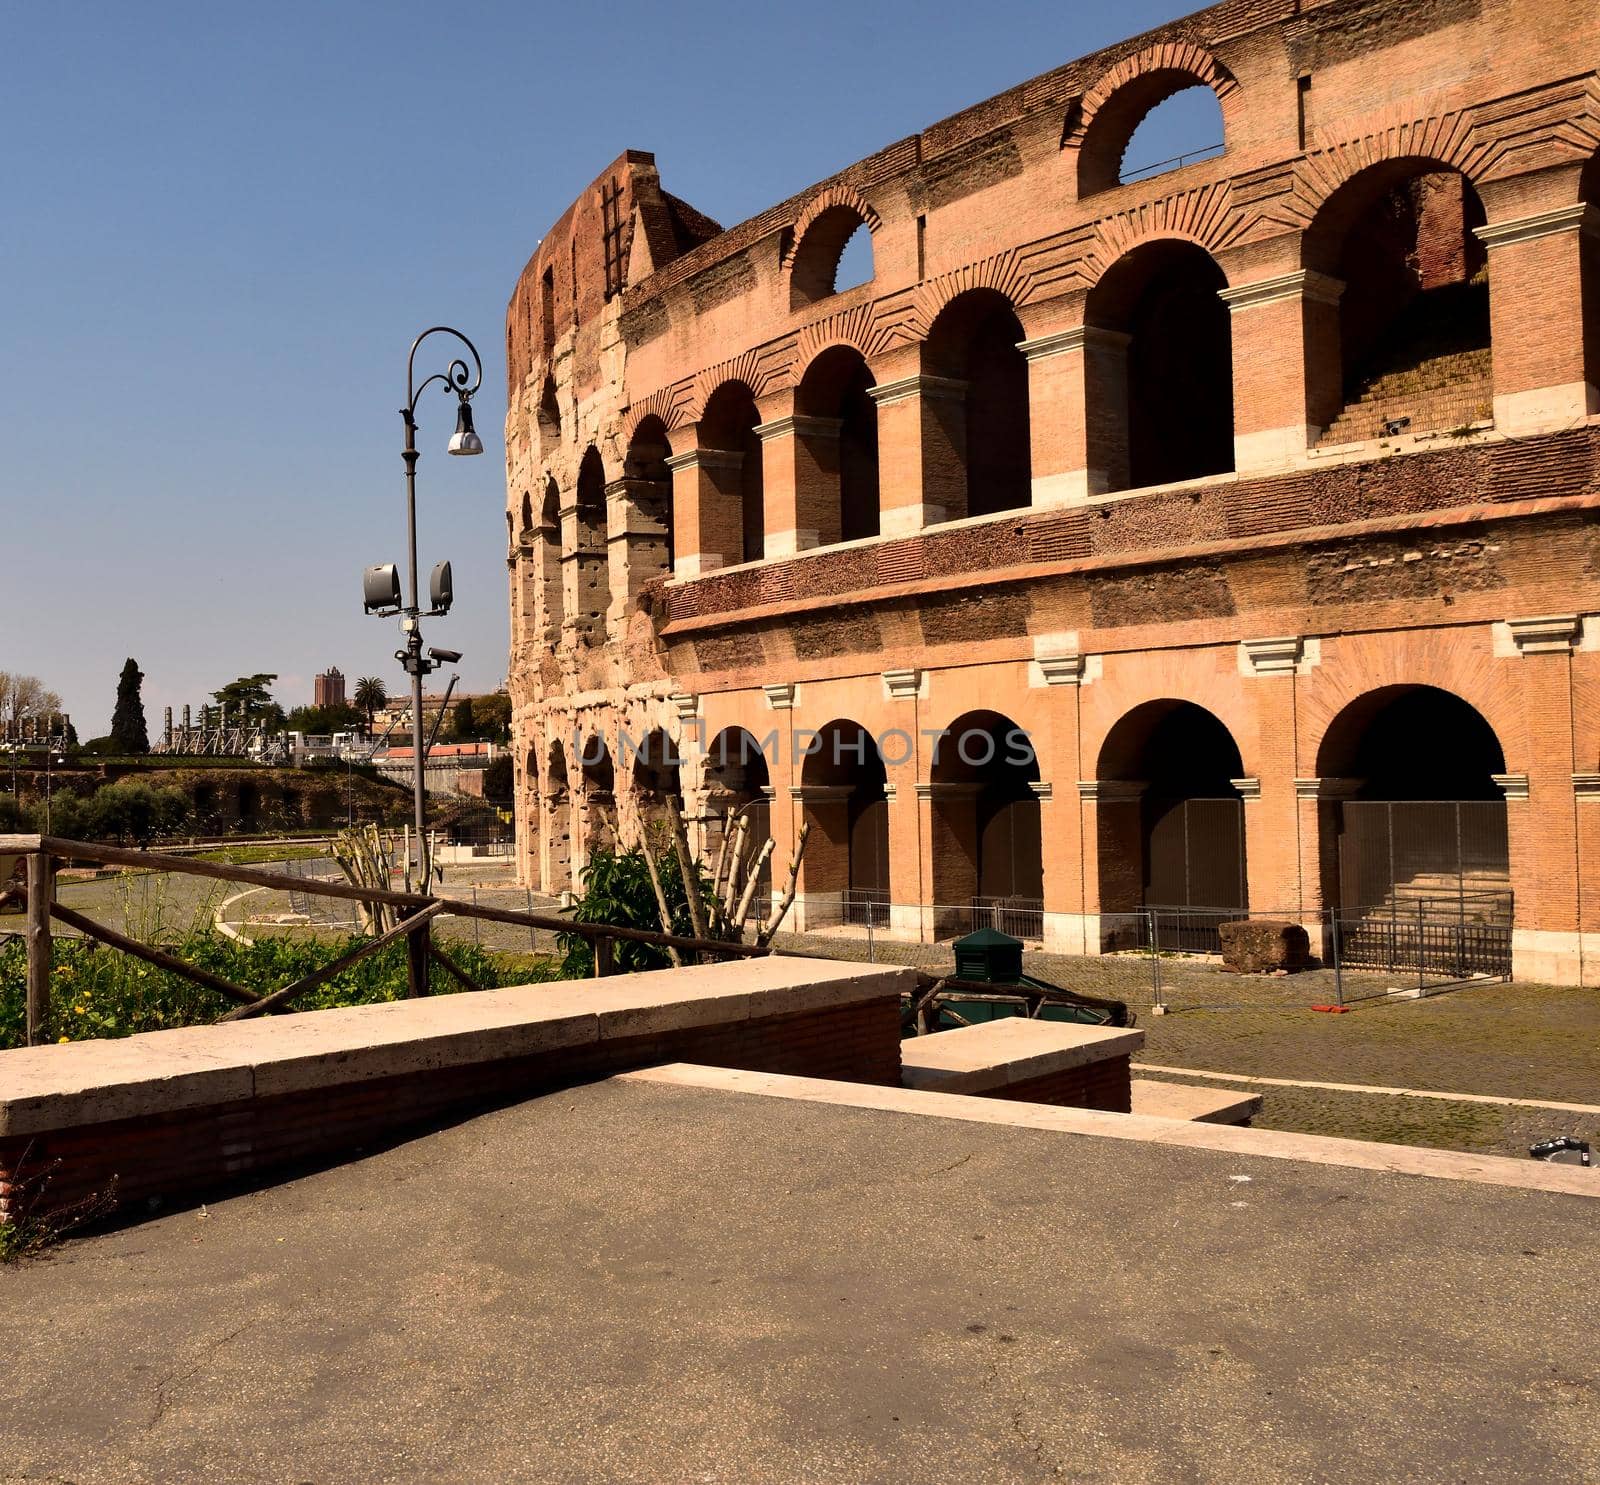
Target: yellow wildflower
(63,1039)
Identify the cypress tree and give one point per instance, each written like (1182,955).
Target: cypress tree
(128,733)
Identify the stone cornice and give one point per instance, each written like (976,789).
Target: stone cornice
(1512,785)
(1306,284)
(1549,634)
(1111,791)
(706,459)
(1277,656)
(886,394)
(798,424)
(1579,217)
(1061,670)
(1077,338)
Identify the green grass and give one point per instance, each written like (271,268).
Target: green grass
(258,855)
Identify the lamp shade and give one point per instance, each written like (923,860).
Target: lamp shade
(465,439)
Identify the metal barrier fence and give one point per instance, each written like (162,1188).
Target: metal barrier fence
(1172,955)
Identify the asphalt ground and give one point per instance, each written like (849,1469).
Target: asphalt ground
(629,1282)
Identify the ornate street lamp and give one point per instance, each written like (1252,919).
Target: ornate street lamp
(381,584)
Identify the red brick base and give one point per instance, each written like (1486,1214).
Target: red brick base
(188,1151)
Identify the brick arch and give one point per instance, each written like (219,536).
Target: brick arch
(1354,667)
(830,198)
(1002,273)
(763,370)
(1205,217)
(853,328)
(1172,678)
(1442,141)
(1099,126)
(669,404)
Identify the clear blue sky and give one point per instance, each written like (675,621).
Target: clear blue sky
(223,224)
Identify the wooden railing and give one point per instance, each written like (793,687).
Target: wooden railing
(44,854)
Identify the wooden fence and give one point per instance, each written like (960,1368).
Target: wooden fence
(43,855)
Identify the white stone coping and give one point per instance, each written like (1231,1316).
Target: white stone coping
(1268,1144)
(1199,1105)
(91,1082)
(1015,1049)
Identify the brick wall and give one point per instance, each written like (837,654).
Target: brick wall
(192,1151)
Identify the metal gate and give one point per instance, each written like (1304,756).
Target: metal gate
(1194,871)
(1425,883)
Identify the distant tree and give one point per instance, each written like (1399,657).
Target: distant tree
(248,702)
(497,779)
(24,699)
(322,720)
(461,723)
(370,695)
(128,732)
(131,810)
(491,716)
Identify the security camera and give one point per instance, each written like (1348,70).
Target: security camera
(444,657)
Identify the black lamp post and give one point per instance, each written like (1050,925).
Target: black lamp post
(381,587)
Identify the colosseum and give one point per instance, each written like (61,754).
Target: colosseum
(1119,549)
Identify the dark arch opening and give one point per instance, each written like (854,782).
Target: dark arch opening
(590,607)
(736,528)
(846,865)
(988,856)
(737,780)
(1107,155)
(1172,835)
(657,769)
(551,588)
(1413,832)
(1412,324)
(599,795)
(974,341)
(820,268)
(549,410)
(1166,393)
(651,548)
(557,824)
(841,458)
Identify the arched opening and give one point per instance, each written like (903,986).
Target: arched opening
(649,488)
(1412,324)
(589,560)
(988,859)
(840,445)
(1413,829)
(1170,828)
(549,413)
(1183,127)
(736,528)
(599,796)
(551,588)
(835,254)
(249,805)
(1161,373)
(845,871)
(525,566)
(973,342)
(557,831)
(657,771)
(1589,270)
(738,783)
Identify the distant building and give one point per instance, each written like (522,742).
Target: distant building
(329,688)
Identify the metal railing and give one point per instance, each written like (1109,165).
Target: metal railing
(43,855)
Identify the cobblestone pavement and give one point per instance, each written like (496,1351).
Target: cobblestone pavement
(1509,1040)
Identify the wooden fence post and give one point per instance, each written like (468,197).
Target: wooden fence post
(41,888)
(417,959)
(602,956)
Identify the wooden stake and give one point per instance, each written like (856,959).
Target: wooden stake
(41,953)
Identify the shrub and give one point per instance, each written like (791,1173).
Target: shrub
(617,890)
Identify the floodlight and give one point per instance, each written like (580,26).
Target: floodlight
(380,588)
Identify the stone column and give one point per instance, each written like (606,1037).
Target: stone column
(1317,830)
(800,483)
(636,550)
(707,506)
(1586,802)
(1271,813)
(922,451)
(1286,379)
(1060,669)
(1536,306)
(1541,818)
(900,754)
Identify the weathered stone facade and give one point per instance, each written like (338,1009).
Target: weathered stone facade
(1209,482)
